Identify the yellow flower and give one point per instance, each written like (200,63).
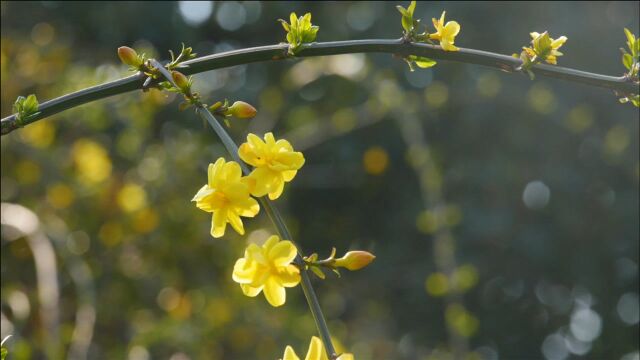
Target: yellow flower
(545,47)
(227,196)
(269,269)
(275,163)
(446,34)
(316,352)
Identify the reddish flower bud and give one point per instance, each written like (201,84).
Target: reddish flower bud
(354,260)
(242,110)
(129,56)
(181,81)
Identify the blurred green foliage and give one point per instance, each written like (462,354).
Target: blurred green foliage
(539,183)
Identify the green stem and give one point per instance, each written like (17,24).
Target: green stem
(274,215)
(279,52)
(283,231)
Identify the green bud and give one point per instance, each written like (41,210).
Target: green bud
(129,56)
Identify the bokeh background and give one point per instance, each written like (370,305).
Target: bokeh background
(503,212)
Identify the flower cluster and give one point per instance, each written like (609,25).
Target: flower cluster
(543,48)
(445,34)
(227,193)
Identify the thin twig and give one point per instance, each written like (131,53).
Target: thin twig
(279,52)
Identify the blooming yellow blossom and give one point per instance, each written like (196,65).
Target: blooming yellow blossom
(226,195)
(316,352)
(275,163)
(446,34)
(269,269)
(545,47)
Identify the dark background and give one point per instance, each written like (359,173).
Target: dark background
(524,193)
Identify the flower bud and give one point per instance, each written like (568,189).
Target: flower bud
(129,56)
(354,260)
(242,110)
(181,81)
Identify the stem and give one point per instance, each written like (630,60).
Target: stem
(274,215)
(283,231)
(279,52)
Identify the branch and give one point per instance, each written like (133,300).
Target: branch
(279,52)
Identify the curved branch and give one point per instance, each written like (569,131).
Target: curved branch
(279,52)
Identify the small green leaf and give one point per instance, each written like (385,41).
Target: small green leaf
(318,272)
(412,8)
(627,61)
(407,23)
(631,39)
(424,62)
(25,107)
(402,10)
(3,353)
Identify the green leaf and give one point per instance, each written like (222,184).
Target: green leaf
(402,10)
(412,8)
(631,39)
(318,272)
(407,23)
(424,62)
(627,61)
(25,107)
(3,353)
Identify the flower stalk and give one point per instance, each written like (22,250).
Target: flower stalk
(274,215)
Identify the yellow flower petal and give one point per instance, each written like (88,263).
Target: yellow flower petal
(451,30)
(277,191)
(271,242)
(289,276)
(274,293)
(255,253)
(289,175)
(555,44)
(218,223)
(289,354)
(235,222)
(282,253)
(244,271)
(248,207)
(447,46)
(316,350)
(250,291)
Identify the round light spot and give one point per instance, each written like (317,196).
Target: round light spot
(586,324)
(231,16)
(536,195)
(360,16)
(628,308)
(195,13)
(553,348)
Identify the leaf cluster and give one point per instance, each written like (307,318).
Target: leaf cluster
(299,31)
(631,61)
(410,33)
(24,108)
